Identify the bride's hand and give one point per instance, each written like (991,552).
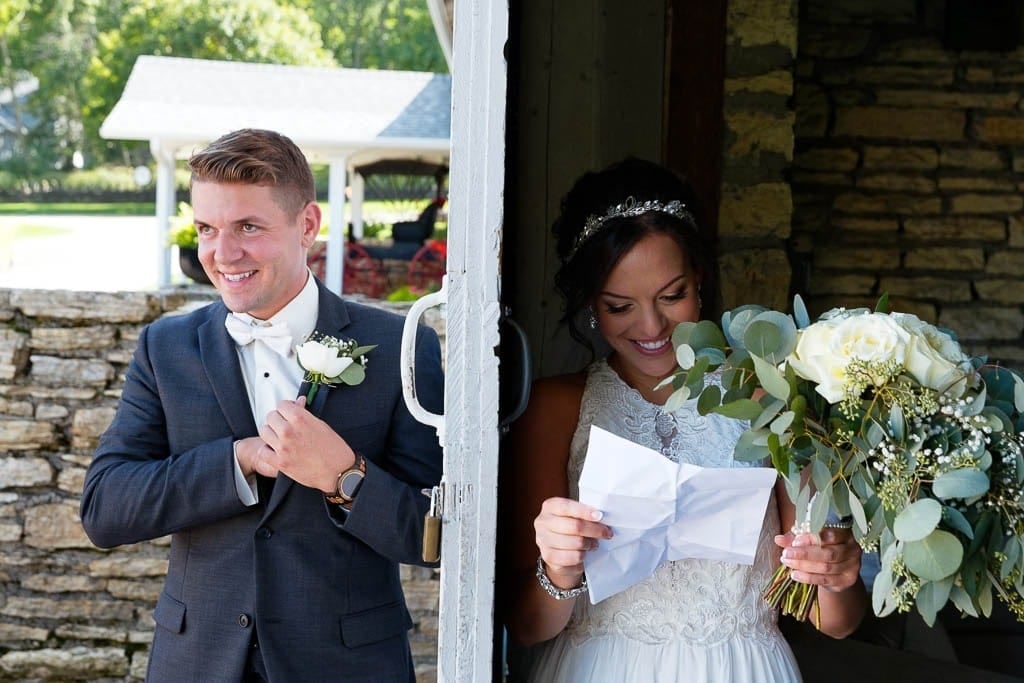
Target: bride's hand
(565,530)
(834,564)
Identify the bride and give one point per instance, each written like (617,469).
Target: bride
(633,265)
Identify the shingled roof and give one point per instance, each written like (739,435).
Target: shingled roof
(364,114)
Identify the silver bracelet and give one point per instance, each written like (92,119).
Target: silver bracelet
(844,523)
(553,590)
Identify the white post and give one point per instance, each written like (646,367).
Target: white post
(469,508)
(356,207)
(165,206)
(336,223)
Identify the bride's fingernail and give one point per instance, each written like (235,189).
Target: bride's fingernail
(596,515)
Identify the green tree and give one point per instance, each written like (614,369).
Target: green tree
(51,41)
(243,30)
(378,34)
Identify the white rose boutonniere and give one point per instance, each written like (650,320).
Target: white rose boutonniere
(328,361)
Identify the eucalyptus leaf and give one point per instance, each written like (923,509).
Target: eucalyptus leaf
(751,448)
(734,323)
(820,475)
(800,312)
(771,335)
(975,406)
(857,510)
(715,357)
(353,374)
(1012,550)
(984,600)
(935,556)
(1018,394)
(665,382)
(681,334)
(685,356)
(820,505)
(801,501)
(677,399)
(782,423)
(918,520)
(963,601)
(956,520)
(362,350)
(771,379)
(897,425)
(931,597)
(709,399)
(771,409)
(962,483)
(704,335)
(743,409)
(881,589)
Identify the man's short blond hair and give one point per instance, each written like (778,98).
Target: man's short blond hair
(252,156)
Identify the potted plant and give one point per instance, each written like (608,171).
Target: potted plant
(185,238)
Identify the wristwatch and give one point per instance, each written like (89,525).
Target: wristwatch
(349,482)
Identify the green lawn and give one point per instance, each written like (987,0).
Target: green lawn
(77,209)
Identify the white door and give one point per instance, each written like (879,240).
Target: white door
(469,428)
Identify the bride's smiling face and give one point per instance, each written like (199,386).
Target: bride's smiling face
(650,290)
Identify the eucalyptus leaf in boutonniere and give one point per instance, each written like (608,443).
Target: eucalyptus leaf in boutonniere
(328,360)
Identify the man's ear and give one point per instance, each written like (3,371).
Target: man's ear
(310,217)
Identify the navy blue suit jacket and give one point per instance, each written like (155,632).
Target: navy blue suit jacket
(320,586)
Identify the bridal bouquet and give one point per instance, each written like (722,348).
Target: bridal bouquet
(882,419)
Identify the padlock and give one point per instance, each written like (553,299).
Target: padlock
(432,528)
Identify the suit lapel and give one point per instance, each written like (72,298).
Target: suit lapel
(220,360)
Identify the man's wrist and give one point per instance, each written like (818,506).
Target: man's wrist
(348,484)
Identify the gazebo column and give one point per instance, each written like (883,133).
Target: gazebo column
(336,222)
(356,208)
(165,195)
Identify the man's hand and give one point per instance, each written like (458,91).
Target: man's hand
(251,454)
(303,446)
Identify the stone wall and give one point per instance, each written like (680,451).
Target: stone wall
(69,611)
(756,204)
(908,170)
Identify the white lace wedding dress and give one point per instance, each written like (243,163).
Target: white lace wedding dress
(693,620)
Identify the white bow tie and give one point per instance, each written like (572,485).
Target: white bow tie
(277,336)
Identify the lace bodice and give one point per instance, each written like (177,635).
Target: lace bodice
(699,601)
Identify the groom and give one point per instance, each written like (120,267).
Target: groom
(288,521)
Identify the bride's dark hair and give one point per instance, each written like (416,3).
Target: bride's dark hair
(587,262)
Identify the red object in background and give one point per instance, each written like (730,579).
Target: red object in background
(427,266)
(362,273)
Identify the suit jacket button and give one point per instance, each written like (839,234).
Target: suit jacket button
(243,620)
(264,532)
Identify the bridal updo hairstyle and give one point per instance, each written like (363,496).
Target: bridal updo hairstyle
(585,267)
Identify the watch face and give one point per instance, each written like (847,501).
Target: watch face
(349,484)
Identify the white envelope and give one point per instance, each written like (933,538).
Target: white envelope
(660,510)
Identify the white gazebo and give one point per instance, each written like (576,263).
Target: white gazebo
(345,118)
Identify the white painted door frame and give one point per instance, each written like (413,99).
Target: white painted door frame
(469,428)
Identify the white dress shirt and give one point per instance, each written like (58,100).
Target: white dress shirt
(269,376)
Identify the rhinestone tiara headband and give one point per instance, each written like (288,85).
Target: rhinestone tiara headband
(595,223)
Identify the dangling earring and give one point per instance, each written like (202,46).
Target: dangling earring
(700,302)
(592,320)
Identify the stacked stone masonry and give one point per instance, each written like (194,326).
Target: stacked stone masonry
(907,171)
(69,611)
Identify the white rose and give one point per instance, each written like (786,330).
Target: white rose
(944,344)
(825,349)
(813,359)
(931,370)
(934,358)
(321,359)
